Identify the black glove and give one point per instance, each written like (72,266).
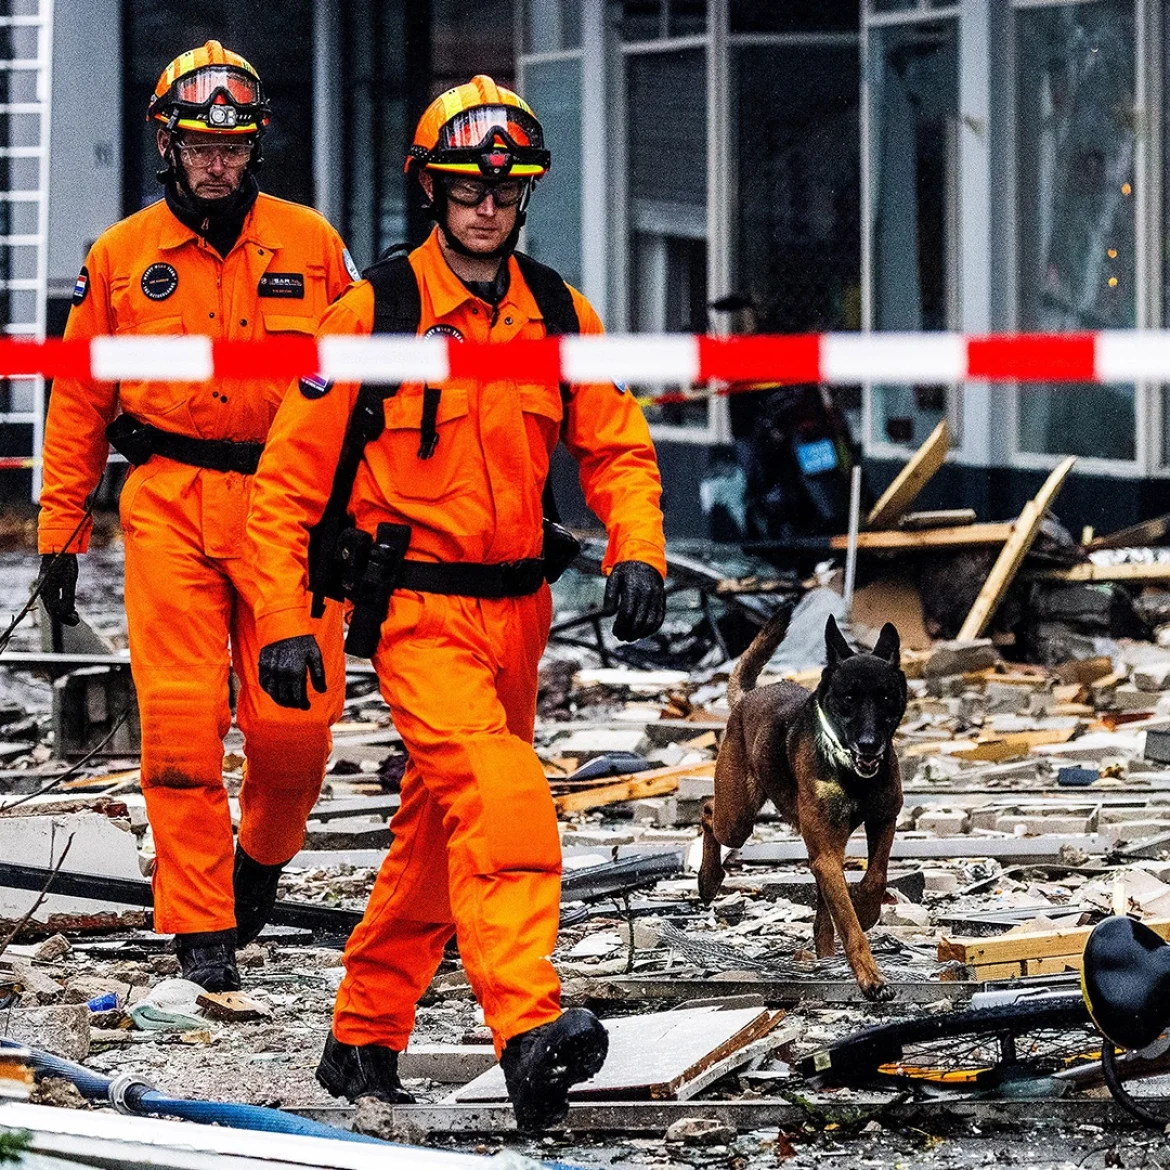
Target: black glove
(58,582)
(282,670)
(636,593)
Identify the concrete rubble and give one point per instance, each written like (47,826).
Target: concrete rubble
(1037,800)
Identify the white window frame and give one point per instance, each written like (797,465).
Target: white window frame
(883,448)
(1147,246)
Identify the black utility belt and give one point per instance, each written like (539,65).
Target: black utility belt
(138,441)
(469,579)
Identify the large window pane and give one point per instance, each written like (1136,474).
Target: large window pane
(794,16)
(1075,192)
(913,115)
(647,20)
(796,132)
(667,104)
(553,89)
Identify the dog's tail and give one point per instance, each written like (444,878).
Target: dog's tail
(758,655)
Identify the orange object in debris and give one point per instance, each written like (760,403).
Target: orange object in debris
(190,586)
(475,842)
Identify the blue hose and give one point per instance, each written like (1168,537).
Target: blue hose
(96,1087)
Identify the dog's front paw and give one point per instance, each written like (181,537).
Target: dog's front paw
(876,989)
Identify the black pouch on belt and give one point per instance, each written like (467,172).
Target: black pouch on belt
(559,550)
(371,598)
(131,438)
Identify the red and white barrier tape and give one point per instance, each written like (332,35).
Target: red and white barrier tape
(839,358)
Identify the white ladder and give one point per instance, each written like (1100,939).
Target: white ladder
(26,55)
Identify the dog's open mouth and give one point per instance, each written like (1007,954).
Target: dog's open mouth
(866,766)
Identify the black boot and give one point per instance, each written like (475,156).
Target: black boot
(368,1070)
(541,1065)
(209,959)
(255,889)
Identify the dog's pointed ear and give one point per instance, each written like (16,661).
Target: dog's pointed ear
(889,645)
(836,648)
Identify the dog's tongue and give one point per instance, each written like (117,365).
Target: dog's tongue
(866,765)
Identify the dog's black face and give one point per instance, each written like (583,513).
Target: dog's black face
(862,698)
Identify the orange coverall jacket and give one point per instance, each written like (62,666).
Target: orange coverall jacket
(476,849)
(189,587)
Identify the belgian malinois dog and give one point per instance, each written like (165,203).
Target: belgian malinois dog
(826,761)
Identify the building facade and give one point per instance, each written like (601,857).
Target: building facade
(977,165)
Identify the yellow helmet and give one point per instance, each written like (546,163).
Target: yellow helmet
(482,129)
(210,89)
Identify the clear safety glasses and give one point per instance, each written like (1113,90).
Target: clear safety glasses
(204,154)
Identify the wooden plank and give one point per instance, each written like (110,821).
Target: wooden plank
(962,534)
(941,518)
(1135,536)
(1156,571)
(912,478)
(1020,948)
(1012,555)
(659,782)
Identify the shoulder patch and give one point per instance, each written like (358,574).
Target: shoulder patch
(350,266)
(81,288)
(159,281)
(620,387)
(314,386)
(444,331)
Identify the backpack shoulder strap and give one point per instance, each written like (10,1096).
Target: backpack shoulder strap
(397,303)
(552,295)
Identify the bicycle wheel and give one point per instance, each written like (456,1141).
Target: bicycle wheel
(1140,1085)
(975,1048)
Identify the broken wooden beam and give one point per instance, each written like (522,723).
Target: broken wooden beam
(659,782)
(910,481)
(1129,571)
(1044,952)
(1003,572)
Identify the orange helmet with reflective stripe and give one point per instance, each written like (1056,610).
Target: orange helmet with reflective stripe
(481,129)
(210,89)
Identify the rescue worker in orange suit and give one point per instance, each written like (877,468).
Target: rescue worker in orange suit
(216,258)
(476,852)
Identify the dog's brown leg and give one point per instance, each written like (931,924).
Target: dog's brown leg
(869,892)
(826,851)
(711,872)
(823,937)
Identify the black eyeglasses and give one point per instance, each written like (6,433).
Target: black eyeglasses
(472,192)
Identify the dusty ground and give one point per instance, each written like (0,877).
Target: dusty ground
(272,1062)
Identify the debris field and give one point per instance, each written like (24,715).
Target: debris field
(1035,758)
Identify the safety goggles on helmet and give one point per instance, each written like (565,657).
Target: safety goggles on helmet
(202,86)
(471,192)
(492,140)
(214,97)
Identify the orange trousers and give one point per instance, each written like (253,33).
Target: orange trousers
(189,608)
(476,852)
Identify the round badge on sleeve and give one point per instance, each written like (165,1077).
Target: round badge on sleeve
(159,281)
